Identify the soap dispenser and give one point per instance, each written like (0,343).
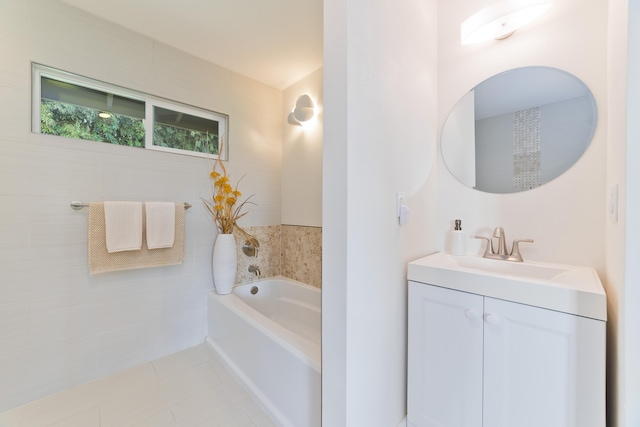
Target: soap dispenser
(458,239)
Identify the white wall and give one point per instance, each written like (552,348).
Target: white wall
(302,156)
(59,326)
(615,230)
(623,237)
(565,217)
(631,310)
(379,138)
(631,332)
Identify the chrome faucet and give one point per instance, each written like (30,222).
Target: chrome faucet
(501,252)
(255,270)
(498,233)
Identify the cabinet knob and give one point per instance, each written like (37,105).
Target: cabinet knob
(492,319)
(471,314)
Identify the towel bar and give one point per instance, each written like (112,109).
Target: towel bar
(79,205)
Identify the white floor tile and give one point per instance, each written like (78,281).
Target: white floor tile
(239,421)
(252,409)
(11,418)
(222,402)
(190,382)
(222,417)
(63,405)
(135,405)
(163,419)
(88,418)
(262,420)
(191,388)
(220,370)
(182,360)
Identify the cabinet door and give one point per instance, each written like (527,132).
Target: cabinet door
(542,368)
(445,357)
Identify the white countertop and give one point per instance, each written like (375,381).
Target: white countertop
(561,287)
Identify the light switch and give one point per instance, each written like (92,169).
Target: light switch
(402,210)
(404,215)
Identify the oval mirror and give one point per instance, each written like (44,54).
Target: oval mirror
(519,129)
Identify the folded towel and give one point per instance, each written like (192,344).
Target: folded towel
(161,224)
(101,261)
(123,222)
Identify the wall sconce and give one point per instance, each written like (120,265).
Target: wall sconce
(501,20)
(302,111)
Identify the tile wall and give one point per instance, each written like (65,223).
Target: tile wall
(302,254)
(268,259)
(289,250)
(60,326)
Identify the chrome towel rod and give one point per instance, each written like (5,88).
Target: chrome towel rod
(79,205)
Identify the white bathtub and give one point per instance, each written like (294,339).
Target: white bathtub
(271,341)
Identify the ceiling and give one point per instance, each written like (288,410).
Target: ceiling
(276,42)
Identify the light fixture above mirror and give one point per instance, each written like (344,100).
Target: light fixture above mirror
(500,20)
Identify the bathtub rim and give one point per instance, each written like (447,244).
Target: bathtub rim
(300,347)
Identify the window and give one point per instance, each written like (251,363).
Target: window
(176,130)
(72,106)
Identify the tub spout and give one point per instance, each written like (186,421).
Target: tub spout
(255,270)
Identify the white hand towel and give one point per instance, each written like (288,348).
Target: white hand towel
(123,226)
(161,224)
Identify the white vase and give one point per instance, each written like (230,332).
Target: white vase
(224,263)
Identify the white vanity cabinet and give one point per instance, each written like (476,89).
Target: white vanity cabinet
(445,357)
(478,361)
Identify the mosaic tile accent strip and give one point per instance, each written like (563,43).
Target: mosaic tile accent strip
(526,149)
(269,257)
(302,254)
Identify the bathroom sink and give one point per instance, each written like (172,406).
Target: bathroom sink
(567,288)
(519,269)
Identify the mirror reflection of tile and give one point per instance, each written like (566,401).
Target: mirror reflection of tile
(526,149)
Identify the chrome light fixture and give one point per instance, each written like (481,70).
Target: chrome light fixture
(500,20)
(302,111)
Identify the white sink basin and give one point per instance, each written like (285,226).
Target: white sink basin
(567,288)
(519,269)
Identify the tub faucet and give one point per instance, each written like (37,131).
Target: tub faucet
(255,270)
(501,252)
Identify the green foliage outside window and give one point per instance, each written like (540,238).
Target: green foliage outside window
(72,121)
(185,139)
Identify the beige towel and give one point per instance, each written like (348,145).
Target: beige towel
(123,226)
(161,220)
(101,261)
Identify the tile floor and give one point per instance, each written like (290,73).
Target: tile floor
(191,388)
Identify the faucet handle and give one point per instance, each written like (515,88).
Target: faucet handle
(489,247)
(515,249)
(250,247)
